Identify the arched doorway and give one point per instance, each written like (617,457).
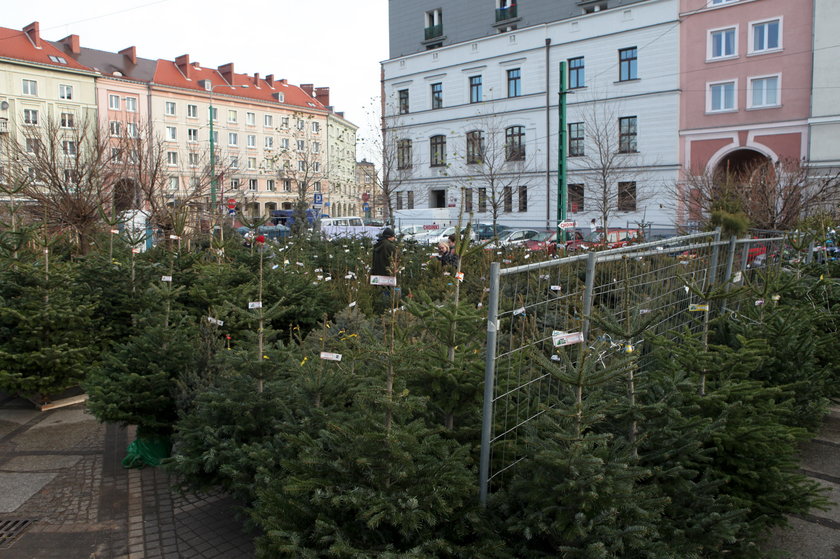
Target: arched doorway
(127,195)
(740,164)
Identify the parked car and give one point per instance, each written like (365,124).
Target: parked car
(348,227)
(438,235)
(546,241)
(485,231)
(411,232)
(515,237)
(615,237)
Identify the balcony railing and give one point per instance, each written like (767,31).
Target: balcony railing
(434,31)
(503,14)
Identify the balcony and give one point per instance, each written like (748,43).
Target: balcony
(434,31)
(504,14)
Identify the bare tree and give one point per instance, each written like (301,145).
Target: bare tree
(770,195)
(608,158)
(303,164)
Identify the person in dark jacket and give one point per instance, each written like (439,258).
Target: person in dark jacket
(447,255)
(385,254)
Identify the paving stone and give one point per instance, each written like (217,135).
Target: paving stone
(40,463)
(19,487)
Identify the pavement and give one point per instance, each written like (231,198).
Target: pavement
(64,494)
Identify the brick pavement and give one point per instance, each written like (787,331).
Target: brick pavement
(62,470)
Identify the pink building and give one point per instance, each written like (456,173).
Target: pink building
(745,77)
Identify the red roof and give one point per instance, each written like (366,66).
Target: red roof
(18,45)
(168,73)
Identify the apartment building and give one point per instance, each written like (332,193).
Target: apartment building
(373,205)
(824,148)
(39,86)
(471,109)
(343,197)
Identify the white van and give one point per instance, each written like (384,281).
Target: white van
(347,227)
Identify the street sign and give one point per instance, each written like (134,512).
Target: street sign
(566,225)
(231,203)
(318,199)
(231,212)
(366,207)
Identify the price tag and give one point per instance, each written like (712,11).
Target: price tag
(561,339)
(175,237)
(383,280)
(166,278)
(215,321)
(327,356)
(696,307)
(255,305)
(556,288)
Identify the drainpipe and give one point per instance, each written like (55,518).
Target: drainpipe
(547,132)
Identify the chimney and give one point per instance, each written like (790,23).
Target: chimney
(226,70)
(308,88)
(322,94)
(284,81)
(269,79)
(33,31)
(256,79)
(130,53)
(71,43)
(183,64)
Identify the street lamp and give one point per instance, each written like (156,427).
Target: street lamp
(213,146)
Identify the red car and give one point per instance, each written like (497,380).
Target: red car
(615,237)
(545,241)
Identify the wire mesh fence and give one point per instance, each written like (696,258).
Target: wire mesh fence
(660,288)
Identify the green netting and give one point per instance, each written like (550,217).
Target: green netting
(146,451)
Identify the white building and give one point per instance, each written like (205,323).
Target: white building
(825,117)
(474,124)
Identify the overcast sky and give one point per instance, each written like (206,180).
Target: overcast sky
(331,43)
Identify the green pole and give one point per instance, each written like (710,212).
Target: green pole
(562,187)
(212,161)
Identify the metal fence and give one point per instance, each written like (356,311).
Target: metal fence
(540,306)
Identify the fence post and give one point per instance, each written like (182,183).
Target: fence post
(730,261)
(713,265)
(588,293)
(489,382)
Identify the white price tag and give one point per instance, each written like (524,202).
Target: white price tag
(326,355)
(383,280)
(255,305)
(561,339)
(166,278)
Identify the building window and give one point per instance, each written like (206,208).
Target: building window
(215,136)
(268,121)
(523,198)
(171,157)
(301,124)
(30,87)
(287,185)
(233,139)
(192,134)
(316,147)
(284,143)
(515,143)
(475,146)
(114,102)
(65,91)
(268,142)
(174,183)
(410,199)
(252,163)
(577,73)
(317,186)
(250,119)
(170,108)
(131,129)
(403,101)
(764,92)
(627,134)
(468,200)
(214,114)
(33,145)
(475,89)
(115,127)
(437,95)
(301,165)
(301,145)
(404,154)
(575,198)
(252,185)
(171,133)
(131,104)
(234,162)
(507,199)
(316,166)
(721,97)
(434,24)
(316,127)
(284,122)
(628,64)
(398,198)
(192,111)
(234,184)
(68,120)
(514,82)
(30,116)
(193,159)
(269,185)
(233,116)
(437,145)
(626,197)
(251,140)
(576,146)
(722,43)
(766,36)
(482,200)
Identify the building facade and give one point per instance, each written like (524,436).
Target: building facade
(473,120)
(824,149)
(343,197)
